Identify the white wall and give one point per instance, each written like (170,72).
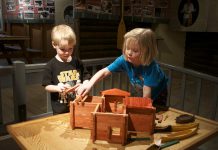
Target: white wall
(172,46)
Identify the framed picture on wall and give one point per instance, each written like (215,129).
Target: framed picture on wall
(189,15)
(1,18)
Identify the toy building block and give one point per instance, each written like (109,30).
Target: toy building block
(71,89)
(110,127)
(141,114)
(114,100)
(80,112)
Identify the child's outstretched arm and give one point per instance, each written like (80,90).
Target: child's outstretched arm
(146,91)
(85,88)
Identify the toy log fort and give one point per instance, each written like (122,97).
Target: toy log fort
(113,115)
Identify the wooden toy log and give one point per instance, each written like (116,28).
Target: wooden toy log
(80,114)
(114,100)
(110,127)
(141,114)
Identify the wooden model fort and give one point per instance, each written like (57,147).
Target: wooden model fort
(113,115)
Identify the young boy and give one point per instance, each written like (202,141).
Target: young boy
(64,70)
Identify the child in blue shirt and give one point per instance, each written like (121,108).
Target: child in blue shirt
(145,75)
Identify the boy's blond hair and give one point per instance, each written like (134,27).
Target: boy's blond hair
(147,43)
(63,32)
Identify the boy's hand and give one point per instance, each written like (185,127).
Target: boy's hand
(62,87)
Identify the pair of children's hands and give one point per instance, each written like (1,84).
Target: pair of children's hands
(79,89)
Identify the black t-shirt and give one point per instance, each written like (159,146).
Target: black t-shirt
(63,72)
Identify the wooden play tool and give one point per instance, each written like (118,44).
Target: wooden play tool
(180,135)
(185,126)
(175,128)
(63,95)
(164,145)
(72,89)
(81,99)
(121,29)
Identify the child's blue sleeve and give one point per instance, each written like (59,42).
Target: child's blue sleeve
(116,66)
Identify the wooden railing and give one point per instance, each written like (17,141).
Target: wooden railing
(189,90)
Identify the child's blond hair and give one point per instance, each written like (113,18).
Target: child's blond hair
(147,43)
(63,32)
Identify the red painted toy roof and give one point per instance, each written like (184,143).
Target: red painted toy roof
(138,102)
(115,92)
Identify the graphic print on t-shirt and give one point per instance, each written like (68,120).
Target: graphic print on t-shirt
(67,76)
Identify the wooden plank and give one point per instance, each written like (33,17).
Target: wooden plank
(141,123)
(110,127)
(95,22)
(201,47)
(99,47)
(101,40)
(42,139)
(97,34)
(98,28)
(80,114)
(98,54)
(95,99)
(97,38)
(114,104)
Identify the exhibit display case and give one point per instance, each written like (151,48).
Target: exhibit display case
(27,11)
